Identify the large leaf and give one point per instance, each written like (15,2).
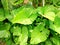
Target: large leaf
(39,34)
(56,24)
(24,15)
(47,12)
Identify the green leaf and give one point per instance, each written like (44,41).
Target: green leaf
(40,10)
(4,30)
(50,15)
(4,34)
(47,8)
(54,27)
(2,17)
(17,40)
(39,34)
(48,42)
(47,12)
(24,15)
(42,43)
(16,30)
(5,4)
(56,2)
(55,40)
(22,39)
(24,36)
(33,16)
(56,24)
(18,2)
(9,42)
(5,26)
(57,19)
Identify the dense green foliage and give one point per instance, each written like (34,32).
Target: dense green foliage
(30,22)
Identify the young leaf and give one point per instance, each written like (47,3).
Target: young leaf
(24,36)
(22,39)
(16,30)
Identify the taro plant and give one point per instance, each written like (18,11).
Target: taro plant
(29,22)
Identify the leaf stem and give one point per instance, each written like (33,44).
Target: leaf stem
(43,3)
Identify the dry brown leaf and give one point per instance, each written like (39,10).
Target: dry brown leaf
(26,1)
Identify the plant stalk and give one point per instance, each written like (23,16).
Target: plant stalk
(43,3)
